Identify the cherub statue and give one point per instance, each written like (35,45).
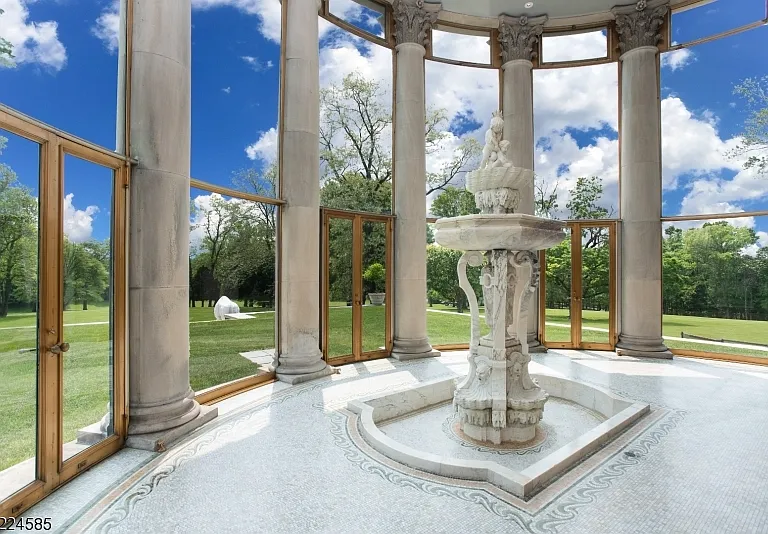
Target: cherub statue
(495,149)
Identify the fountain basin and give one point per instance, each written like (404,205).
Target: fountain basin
(617,414)
(508,231)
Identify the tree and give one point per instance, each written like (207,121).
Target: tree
(18,224)
(443,278)
(754,139)
(454,202)
(85,276)
(544,201)
(6,51)
(262,182)
(353,127)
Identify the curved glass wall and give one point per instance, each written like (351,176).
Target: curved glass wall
(235,95)
(715,287)
(355,120)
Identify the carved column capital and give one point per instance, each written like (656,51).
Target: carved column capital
(638,24)
(413,19)
(519,36)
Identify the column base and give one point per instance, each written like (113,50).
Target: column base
(151,419)
(641,347)
(412,349)
(160,441)
(293,379)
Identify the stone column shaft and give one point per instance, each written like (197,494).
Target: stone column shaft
(410,278)
(519,37)
(299,357)
(640,141)
(159,392)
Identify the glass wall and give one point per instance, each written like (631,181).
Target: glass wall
(460,101)
(355,120)
(574,47)
(232,288)
(19,194)
(714,17)
(64,65)
(235,94)
(713,127)
(577,138)
(715,286)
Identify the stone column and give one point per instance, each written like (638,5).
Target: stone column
(640,140)
(162,405)
(413,19)
(519,44)
(299,356)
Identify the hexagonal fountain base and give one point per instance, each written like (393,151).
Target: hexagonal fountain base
(610,416)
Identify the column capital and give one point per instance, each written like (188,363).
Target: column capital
(413,20)
(519,36)
(638,24)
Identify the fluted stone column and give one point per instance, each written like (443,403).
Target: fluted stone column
(162,405)
(638,27)
(299,356)
(519,38)
(413,19)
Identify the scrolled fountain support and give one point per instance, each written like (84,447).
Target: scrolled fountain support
(498,401)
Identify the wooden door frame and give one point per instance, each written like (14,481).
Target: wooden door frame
(51,471)
(357,218)
(575,308)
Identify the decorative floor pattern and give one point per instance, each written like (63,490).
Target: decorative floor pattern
(292,461)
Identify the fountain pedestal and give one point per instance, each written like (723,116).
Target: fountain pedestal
(498,401)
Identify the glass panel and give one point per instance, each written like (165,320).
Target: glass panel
(64,69)
(714,17)
(362,14)
(448,317)
(340,290)
(715,292)
(587,45)
(558,291)
(374,285)
(713,128)
(355,123)
(235,94)
(88,311)
(19,191)
(462,45)
(577,141)
(595,285)
(231,287)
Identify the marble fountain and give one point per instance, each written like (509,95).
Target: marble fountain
(490,426)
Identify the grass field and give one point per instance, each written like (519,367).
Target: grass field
(215,348)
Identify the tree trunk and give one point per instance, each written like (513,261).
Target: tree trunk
(85,305)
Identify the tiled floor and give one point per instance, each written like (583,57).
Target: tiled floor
(283,459)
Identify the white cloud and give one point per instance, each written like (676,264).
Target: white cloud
(78,224)
(268,12)
(107,27)
(255,64)
(33,42)
(574,47)
(762,242)
(265,149)
(677,59)
(227,90)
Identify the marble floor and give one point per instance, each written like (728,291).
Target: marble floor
(283,459)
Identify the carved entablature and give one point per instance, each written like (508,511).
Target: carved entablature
(413,20)
(519,36)
(640,24)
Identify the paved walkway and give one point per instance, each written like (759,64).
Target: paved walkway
(280,459)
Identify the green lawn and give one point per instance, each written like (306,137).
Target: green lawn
(215,358)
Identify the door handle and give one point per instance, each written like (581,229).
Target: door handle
(59,348)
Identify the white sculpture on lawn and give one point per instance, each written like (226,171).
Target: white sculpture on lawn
(224,306)
(498,401)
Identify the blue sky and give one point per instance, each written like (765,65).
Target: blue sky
(235,62)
